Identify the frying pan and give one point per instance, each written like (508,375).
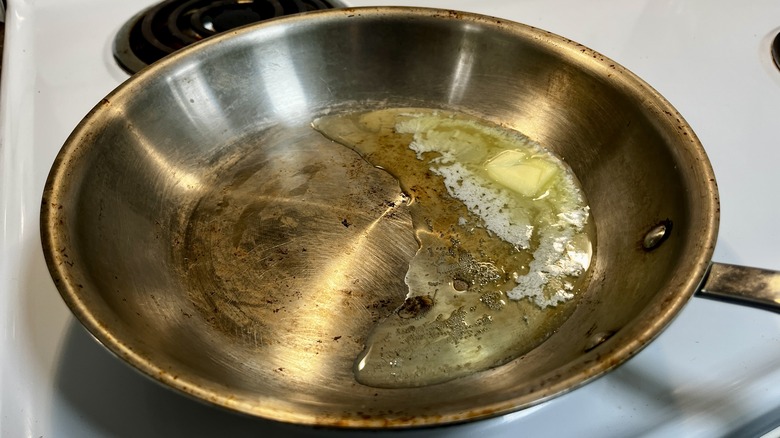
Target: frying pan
(194,221)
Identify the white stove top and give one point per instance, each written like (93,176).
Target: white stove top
(714,372)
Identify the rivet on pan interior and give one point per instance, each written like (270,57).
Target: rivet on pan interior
(657,235)
(598,339)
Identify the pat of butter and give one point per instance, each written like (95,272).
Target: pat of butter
(517,171)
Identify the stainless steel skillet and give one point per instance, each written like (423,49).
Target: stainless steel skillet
(193,220)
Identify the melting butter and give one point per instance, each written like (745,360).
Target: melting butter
(505,241)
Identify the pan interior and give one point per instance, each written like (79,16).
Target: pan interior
(202,178)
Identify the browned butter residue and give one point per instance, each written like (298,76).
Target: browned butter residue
(505,241)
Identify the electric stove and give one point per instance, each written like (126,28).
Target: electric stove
(714,372)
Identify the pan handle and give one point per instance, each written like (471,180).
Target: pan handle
(743,285)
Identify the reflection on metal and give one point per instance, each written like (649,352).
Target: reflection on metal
(279,75)
(462,71)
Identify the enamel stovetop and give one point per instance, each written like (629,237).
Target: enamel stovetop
(715,371)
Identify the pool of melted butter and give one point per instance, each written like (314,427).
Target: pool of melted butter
(505,243)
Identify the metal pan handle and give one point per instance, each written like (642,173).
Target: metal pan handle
(743,285)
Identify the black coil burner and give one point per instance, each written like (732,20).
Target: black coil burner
(168,26)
